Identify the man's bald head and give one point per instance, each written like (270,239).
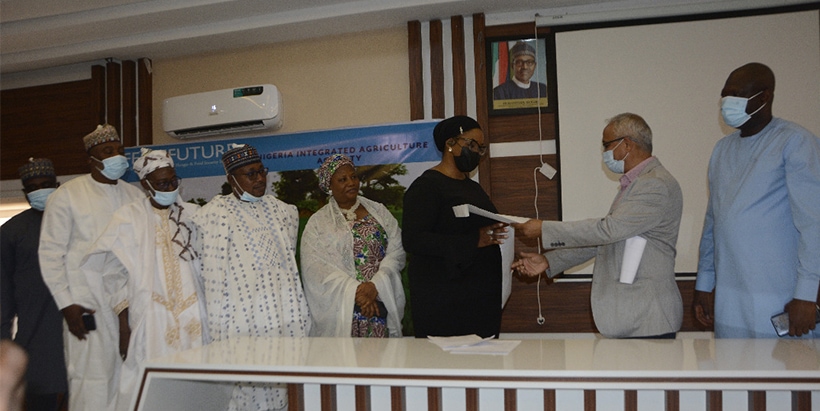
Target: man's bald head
(754,77)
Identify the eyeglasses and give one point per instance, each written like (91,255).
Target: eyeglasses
(165,185)
(607,143)
(474,146)
(253,173)
(526,63)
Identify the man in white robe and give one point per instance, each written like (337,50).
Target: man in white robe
(247,242)
(149,264)
(75,215)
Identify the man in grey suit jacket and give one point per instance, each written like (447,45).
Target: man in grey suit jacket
(649,206)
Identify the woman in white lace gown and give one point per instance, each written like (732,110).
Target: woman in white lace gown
(352,257)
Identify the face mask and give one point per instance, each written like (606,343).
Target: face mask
(37,198)
(245,196)
(164,198)
(467,161)
(733,110)
(615,166)
(114,167)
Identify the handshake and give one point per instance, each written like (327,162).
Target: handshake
(530,264)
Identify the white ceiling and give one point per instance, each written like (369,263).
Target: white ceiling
(38,34)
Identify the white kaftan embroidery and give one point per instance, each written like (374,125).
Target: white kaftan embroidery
(251,280)
(139,256)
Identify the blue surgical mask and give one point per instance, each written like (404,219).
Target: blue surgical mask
(37,198)
(163,198)
(113,167)
(733,110)
(616,166)
(245,196)
(249,197)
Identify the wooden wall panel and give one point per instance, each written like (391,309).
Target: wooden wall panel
(507,129)
(98,84)
(436,69)
(51,120)
(459,70)
(513,182)
(113,95)
(566,308)
(128,133)
(482,116)
(416,70)
(479,54)
(47,121)
(524,30)
(145,102)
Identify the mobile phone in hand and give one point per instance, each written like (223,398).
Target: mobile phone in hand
(91,325)
(781,321)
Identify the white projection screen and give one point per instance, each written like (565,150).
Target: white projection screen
(671,74)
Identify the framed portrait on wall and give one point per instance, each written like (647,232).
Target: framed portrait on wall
(520,76)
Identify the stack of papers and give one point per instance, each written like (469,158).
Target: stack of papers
(473,344)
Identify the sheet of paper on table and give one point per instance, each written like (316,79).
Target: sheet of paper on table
(473,344)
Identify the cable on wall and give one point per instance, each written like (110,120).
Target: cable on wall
(545,169)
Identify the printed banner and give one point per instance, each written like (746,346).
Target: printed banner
(384,144)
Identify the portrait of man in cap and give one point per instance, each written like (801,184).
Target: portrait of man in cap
(516,71)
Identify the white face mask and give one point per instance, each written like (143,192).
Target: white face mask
(113,167)
(164,198)
(37,198)
(615,166)
(733,110)
(245,196)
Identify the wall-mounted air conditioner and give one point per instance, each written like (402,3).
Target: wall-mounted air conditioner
(223,111)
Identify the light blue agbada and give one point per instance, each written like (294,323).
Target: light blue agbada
(761,236)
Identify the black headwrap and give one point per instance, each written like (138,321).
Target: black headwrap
(452,127)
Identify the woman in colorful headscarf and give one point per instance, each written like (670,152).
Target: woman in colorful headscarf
(352,258)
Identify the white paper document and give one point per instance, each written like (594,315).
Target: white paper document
(465,210)
(473,344)
(507,247)
(456,341)
(633,251)
(507,258)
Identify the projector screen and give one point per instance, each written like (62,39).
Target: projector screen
(671,74)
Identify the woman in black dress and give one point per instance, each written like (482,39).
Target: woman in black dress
(455,263)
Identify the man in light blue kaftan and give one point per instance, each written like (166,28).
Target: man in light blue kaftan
(760,248)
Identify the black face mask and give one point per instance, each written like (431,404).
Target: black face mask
(467,161)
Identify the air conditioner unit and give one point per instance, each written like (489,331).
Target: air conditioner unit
(223,111)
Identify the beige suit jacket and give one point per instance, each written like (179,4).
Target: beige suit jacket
(650,207)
